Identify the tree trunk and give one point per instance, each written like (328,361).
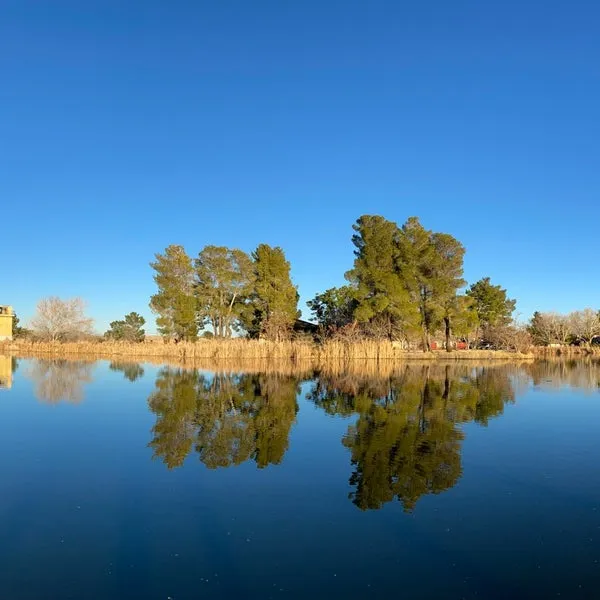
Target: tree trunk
(447,323)
(426,344)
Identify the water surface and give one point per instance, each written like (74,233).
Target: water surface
(420,481)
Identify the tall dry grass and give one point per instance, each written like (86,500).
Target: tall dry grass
(335,355)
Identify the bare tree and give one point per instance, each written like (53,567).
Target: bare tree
(513,338)
(550,328)
(61,320)
(585,325)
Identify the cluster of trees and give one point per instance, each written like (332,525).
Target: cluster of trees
(581,327)
(225,289)
(406,284)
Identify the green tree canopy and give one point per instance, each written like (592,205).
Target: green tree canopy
(492,305)
(224,282)
(273,306)
(174,303)
(335,307)
(129,329)
(381,293)
(431,265)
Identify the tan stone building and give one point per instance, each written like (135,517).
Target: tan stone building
(6,322)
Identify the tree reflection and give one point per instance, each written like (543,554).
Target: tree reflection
(406,442)
(225,418)
(56,380)
(131,371)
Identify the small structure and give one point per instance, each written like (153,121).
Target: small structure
(6,323)
(305,327)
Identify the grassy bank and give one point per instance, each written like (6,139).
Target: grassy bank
(331,352)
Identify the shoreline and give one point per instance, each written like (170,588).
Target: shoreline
(296,352)
(243,349)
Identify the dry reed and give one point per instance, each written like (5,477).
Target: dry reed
(334,355)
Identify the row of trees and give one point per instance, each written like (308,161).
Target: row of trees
(225,289)
(405,284)
(580,327)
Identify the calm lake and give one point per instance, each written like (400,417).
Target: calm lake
(421,481)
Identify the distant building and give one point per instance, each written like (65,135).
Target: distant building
(6,323)
(305,327)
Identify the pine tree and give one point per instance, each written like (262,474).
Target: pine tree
(493,306)
(382,297)
(130,329)
(273,306)
(174,303)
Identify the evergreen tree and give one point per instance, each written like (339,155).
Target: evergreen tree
(492,305)
(334,308)
(381,292)
(273,306)
(431,266)
(174,303)
(224,281)
(130,329)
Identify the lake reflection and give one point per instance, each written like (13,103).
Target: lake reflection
(159,481)
(226,419)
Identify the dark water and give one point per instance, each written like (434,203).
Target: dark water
(137,481)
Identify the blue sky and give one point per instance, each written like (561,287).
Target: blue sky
(128,126)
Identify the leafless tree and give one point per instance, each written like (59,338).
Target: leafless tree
(61,320)
(552,328)
(513,337)
(585,325)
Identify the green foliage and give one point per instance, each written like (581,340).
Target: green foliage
(381,291)
(432,266)
(174,303)
(406,279)
(272,307)
(492,305)
(130,329)
(17,330)
(538,330)
(335,307)
(224,281)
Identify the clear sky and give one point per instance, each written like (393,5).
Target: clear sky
(126,126)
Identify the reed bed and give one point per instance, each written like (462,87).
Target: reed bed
(337,355)
(566,351)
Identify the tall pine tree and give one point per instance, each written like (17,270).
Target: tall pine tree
(174,303)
